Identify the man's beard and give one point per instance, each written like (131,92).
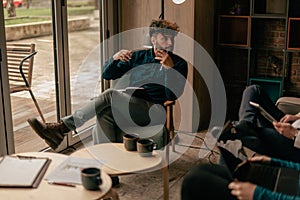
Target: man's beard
(166,49)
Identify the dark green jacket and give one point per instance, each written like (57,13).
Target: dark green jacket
(262,193)
(159,84)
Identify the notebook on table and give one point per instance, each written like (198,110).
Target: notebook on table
(22,171)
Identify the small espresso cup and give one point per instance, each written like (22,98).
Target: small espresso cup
(129,141)
(91,178)
(145,147)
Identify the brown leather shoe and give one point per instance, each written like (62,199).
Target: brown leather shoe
(52,133)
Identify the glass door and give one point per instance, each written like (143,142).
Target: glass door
(84,35)
(31,24)
(6,139)
(66,69)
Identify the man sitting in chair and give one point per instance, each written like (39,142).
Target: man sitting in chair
(155,70)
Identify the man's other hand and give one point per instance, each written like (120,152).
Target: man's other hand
(123,55)
(285,129)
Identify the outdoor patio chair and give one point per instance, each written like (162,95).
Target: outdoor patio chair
(20,63)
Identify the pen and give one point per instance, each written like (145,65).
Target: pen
(161,67)
(62,184)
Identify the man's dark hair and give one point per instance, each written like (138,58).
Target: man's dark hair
(164,27)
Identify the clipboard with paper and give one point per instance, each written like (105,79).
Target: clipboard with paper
(22,171)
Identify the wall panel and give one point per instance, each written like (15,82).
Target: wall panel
(138,13)
(204,35)
(196,20)
(183,14)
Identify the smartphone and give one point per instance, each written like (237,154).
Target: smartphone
(263,112)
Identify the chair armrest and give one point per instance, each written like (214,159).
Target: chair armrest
(169,103)
(21,67)
(289,105)
(169,114)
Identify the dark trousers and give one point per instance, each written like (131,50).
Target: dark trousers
(118,113)
(207,182)
(249,113)
(271,142)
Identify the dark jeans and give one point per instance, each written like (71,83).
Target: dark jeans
(115,111)
(271,142)
(207,182)
(249,113)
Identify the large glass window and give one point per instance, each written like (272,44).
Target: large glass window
(5,111)
(66,69)
(32,24)
(84,56)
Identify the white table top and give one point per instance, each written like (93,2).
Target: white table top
(117,160)
(47,191)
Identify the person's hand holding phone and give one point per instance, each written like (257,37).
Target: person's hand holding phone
(285,129)
(123,55)
(163,57)
(289,118)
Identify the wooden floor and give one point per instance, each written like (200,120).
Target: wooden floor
(26,140)
(22,109)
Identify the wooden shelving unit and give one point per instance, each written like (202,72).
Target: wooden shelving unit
(258,44)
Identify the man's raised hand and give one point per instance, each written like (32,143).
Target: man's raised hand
(123,55)
(163,57)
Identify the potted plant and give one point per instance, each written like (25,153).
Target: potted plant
(235,9)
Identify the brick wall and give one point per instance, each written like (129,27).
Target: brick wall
(294,78)
(271,33)
(268,33)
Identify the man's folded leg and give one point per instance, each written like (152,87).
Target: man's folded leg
(52,133)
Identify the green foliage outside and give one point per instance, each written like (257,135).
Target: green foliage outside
(42,14)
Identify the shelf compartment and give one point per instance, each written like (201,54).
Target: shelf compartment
(272,86)
(276,7)
(269,33)
(267,63)
(230,7)
(234,30)
(292,82)
(294,7)
(293,42)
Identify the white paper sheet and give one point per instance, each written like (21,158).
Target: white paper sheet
(69,170)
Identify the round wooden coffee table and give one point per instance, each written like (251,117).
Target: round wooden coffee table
(118,161)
